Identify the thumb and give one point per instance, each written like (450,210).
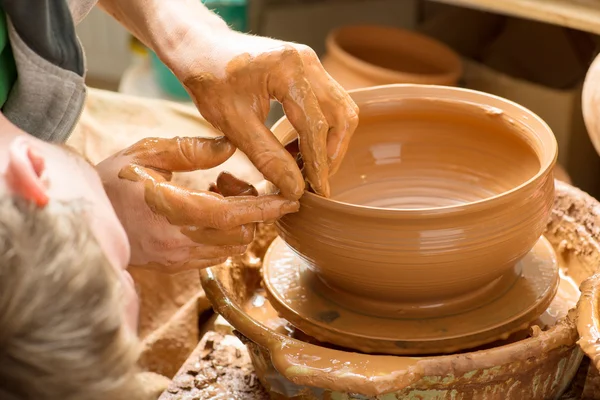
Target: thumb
(181,154)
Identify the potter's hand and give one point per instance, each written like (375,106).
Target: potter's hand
(174,228)
(232,84)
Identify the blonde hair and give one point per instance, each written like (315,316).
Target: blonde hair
(62,331)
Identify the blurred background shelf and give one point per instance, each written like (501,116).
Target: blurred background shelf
(583,15)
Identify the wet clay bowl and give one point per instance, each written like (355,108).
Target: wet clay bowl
(538,367)
(362,56)
(441,192)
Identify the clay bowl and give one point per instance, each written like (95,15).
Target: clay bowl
(362,56)
(538,367)
(441,192)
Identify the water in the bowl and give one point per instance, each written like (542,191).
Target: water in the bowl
(429,157)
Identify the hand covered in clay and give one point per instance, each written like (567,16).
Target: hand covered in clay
(174,228)
(232,83)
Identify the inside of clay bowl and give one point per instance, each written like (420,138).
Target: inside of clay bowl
(419,152)
(385,51)
(427,154)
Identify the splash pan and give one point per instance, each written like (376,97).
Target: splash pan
(536,363)
(510,305)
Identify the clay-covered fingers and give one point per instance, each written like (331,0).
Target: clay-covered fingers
(181,154)
(238,236)
(184,207)
(342,116)
(340,111)
(266,153)
(304,112)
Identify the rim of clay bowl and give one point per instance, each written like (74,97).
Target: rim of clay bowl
(274,342)
(452,70)
(531,123)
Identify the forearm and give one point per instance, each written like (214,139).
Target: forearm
(163,25)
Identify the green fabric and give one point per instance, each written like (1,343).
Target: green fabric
(8,68)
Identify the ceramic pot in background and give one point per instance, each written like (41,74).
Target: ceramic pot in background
(362,56)
(590,103)
(441,192)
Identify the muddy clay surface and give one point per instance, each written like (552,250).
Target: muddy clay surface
(509,306)
(213,372)
(569,229)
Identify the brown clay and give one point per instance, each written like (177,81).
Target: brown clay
(228,185)
(506,307)
(442,191)
(363,56)
(515,370)
(219,369)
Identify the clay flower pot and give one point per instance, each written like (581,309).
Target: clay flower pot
(362,56)
(442,191)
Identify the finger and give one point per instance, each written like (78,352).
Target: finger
(336,104)
(265,187)
(185,207)
(294,149)
(240,235)
(229,185)
(136,173)
(181,154)
(342,116)
(244,210)
(266,153)
(304,113)
(210,252)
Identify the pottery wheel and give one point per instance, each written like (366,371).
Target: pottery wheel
(298,296)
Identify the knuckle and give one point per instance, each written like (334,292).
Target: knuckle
(321,126)
(224,220)
(307,52)
(290,53)
(352,120)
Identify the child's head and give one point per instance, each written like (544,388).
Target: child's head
(67,306)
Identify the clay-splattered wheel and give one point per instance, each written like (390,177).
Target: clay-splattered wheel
(299,296)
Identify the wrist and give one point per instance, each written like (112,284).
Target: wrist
(184,25)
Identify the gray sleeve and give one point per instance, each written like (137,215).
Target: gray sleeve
(46,26)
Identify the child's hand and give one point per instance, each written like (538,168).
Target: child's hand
(174,228)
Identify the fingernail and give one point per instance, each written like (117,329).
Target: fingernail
(293,188)
(221,143)
(290,207)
